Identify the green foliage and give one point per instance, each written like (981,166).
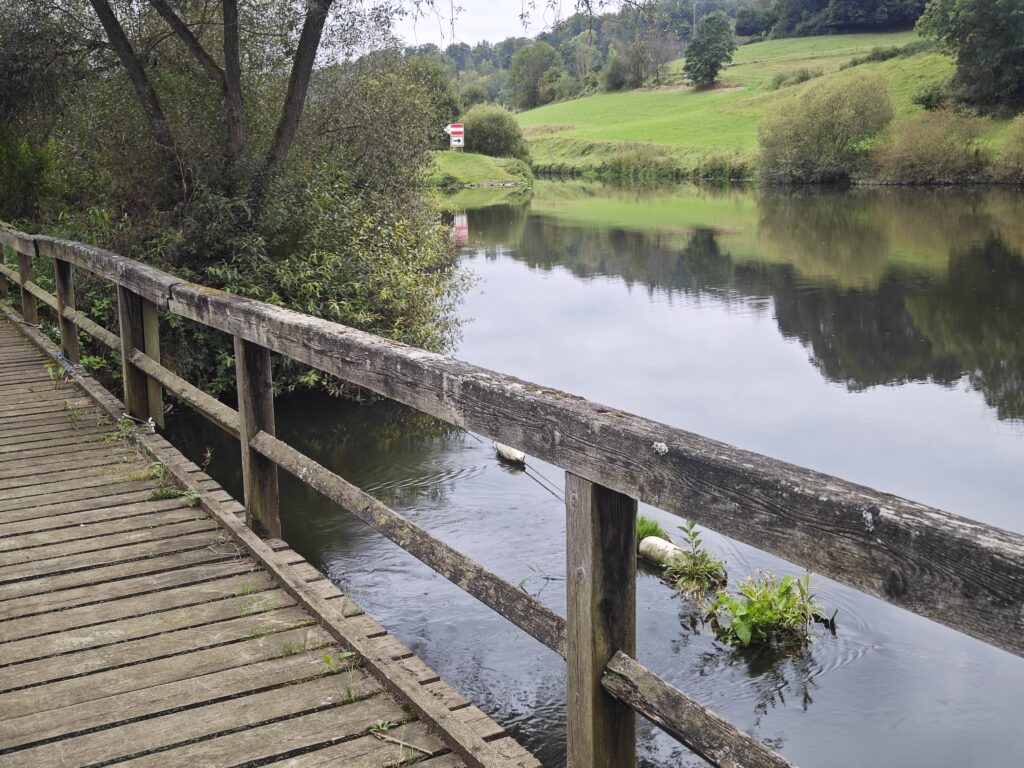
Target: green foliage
(932,97)
(493,130)
(987,39)
(822,135)
(615,75)
(885,53)
(712,48)
(816,17)
(646,526)
(802,75)
(767,611)
(1010,161)
(696,571)
(530,66)
(24,171)
(932,148)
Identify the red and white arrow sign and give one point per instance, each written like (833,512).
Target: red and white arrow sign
(455,130)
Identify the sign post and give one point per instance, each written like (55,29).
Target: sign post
(457,132)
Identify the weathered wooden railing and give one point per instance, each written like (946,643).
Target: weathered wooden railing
(961,573)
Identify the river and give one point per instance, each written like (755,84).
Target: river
(877,335)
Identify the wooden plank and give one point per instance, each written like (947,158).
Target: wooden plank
(174,511)
(35,673)
(17,241)
(64,281)
(113,472)
(151,564)
(193,567)
(129,313)
(88,499)
(683,718)
(369,751)
(115,546)
(168,669)
(80,524)
(272,740)
(29,308)
(171,511)
(78,441)
(92,328)
(158,699)
(961,573)
(151,340)
(521,609)
(197,534)
(255,415)
(164,620)
(601,619)
(238,584)
(14,471)
(23,435)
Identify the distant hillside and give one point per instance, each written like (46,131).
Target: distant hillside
(714,132)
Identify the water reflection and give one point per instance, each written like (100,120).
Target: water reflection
(882,286)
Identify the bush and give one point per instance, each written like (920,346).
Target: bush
(786,79)
(933,148)
(1010,162)
(493,130)
(932,97)
(822,135)
(615,74)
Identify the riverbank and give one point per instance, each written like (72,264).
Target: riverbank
(465,170)
(673,132)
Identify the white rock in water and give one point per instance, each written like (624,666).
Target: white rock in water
(509,453)
(657,550)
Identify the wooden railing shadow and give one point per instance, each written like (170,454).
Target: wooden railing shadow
(961,573)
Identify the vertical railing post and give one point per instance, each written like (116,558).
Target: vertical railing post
(3,278)
(256,412)
(601,619)
(151,341)
(29,307)
(129,312)
(64,280)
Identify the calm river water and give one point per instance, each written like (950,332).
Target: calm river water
(876,335)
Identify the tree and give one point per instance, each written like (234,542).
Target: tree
(712,48)
(494,131)
(821,137)
(987,39)
(528,69)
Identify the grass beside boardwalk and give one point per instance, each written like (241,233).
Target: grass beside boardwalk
(454,169)
(674,130)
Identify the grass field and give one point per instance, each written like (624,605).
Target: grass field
(686,129)
(461,168)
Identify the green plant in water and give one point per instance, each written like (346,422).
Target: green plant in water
(767,611)
(646,526)
(695,571)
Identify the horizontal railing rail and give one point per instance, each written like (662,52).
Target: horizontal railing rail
(958,572)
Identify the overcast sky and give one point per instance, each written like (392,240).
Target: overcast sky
(477,20)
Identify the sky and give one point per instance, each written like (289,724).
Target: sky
(476,20)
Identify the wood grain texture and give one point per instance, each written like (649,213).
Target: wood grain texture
(701,730)
(29,308)
(255,415)
(600,581)
(62,275)
(129,313)
(151,342)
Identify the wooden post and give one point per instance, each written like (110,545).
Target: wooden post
(129,311)
(62,276)
(601,617)
(3,278)
(256,414)
(151,339)
(29,308)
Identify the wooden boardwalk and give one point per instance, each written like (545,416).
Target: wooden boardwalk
(137,629)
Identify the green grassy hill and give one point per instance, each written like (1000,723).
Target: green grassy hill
(677,127)
(468,169)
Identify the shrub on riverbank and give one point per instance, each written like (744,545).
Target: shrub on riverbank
(937,147)
(493,130)
(822,135)
(1009,164)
